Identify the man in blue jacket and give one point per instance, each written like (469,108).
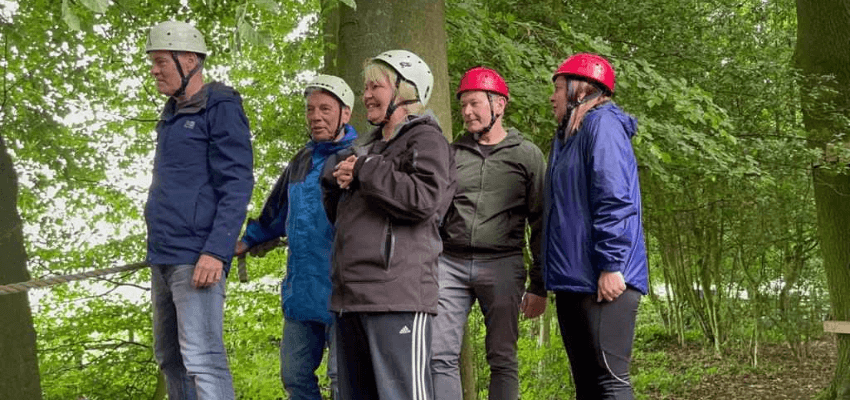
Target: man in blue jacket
(202,182)
(294,209)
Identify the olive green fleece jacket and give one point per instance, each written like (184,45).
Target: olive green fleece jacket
(496,196)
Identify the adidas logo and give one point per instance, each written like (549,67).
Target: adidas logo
(404,331)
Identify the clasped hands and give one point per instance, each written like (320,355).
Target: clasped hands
(344,172)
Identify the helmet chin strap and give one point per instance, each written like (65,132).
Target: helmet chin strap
(184,79)
(493,116)
(567,120)
(393,106)
(339,126)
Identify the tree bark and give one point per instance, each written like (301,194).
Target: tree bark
(353,36)
(161,391)
(823,31)
(19,378)
(468,377)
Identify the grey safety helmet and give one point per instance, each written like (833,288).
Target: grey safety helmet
(335,86)
(411,68)
(338,88)
(176,36)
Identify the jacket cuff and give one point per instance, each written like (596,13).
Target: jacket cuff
(537,289)
(217,257)
(359,164)
(611,267)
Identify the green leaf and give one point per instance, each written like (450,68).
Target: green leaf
(69,17)
(247,32)
(97,6)
(350,3)
(268,5)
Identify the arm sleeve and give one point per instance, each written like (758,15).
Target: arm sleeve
(330,189)
(416,188)
(610,164)
(272,222)
(230,159)
(534,202)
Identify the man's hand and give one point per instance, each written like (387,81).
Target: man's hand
(207,271)
(533,305)
(611,285)
(344,172)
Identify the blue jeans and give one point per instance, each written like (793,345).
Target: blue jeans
(188,334)
(300,355)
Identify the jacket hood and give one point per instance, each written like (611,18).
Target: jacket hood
(334,146)
(512,138)
(627,120)
(218,92)
(210,94)
(426,118)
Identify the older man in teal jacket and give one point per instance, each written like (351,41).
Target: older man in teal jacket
(294,209)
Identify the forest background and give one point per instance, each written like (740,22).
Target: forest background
(743,115)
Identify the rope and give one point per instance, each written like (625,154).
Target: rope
(241,267)
(55,280)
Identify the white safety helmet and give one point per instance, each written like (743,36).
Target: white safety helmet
(175,36)
(335,86)
(411,68)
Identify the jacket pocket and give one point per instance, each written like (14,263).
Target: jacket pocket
(205,211)
(389,245)
(364,243)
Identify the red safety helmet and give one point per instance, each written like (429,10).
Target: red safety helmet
(589,66)
(482,78)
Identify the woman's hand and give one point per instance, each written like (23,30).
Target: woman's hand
(611,285)
(344,172)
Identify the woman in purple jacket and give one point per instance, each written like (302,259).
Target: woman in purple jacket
(594,257)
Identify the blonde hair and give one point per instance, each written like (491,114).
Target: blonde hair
(376,71)
(582,90)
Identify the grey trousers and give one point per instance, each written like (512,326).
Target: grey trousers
(498,286)
(384,356)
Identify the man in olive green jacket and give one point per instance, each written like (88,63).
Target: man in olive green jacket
(500,190)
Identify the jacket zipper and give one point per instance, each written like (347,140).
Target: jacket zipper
(389,241)
(477,201)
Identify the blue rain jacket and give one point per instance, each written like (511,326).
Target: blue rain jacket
(294,209)
(202,178)
(592,220)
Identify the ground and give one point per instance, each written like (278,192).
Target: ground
(699,374)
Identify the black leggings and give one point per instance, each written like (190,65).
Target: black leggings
(598,338)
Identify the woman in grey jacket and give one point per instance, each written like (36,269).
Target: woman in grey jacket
(386,202)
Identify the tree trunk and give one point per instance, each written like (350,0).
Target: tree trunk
(19,377)
(468,377)
(823,31)
(161,390)
(353,36)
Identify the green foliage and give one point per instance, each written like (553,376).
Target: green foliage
(723,157)
(253,328)
(78,113)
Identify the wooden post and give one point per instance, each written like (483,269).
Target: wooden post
(842,327)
